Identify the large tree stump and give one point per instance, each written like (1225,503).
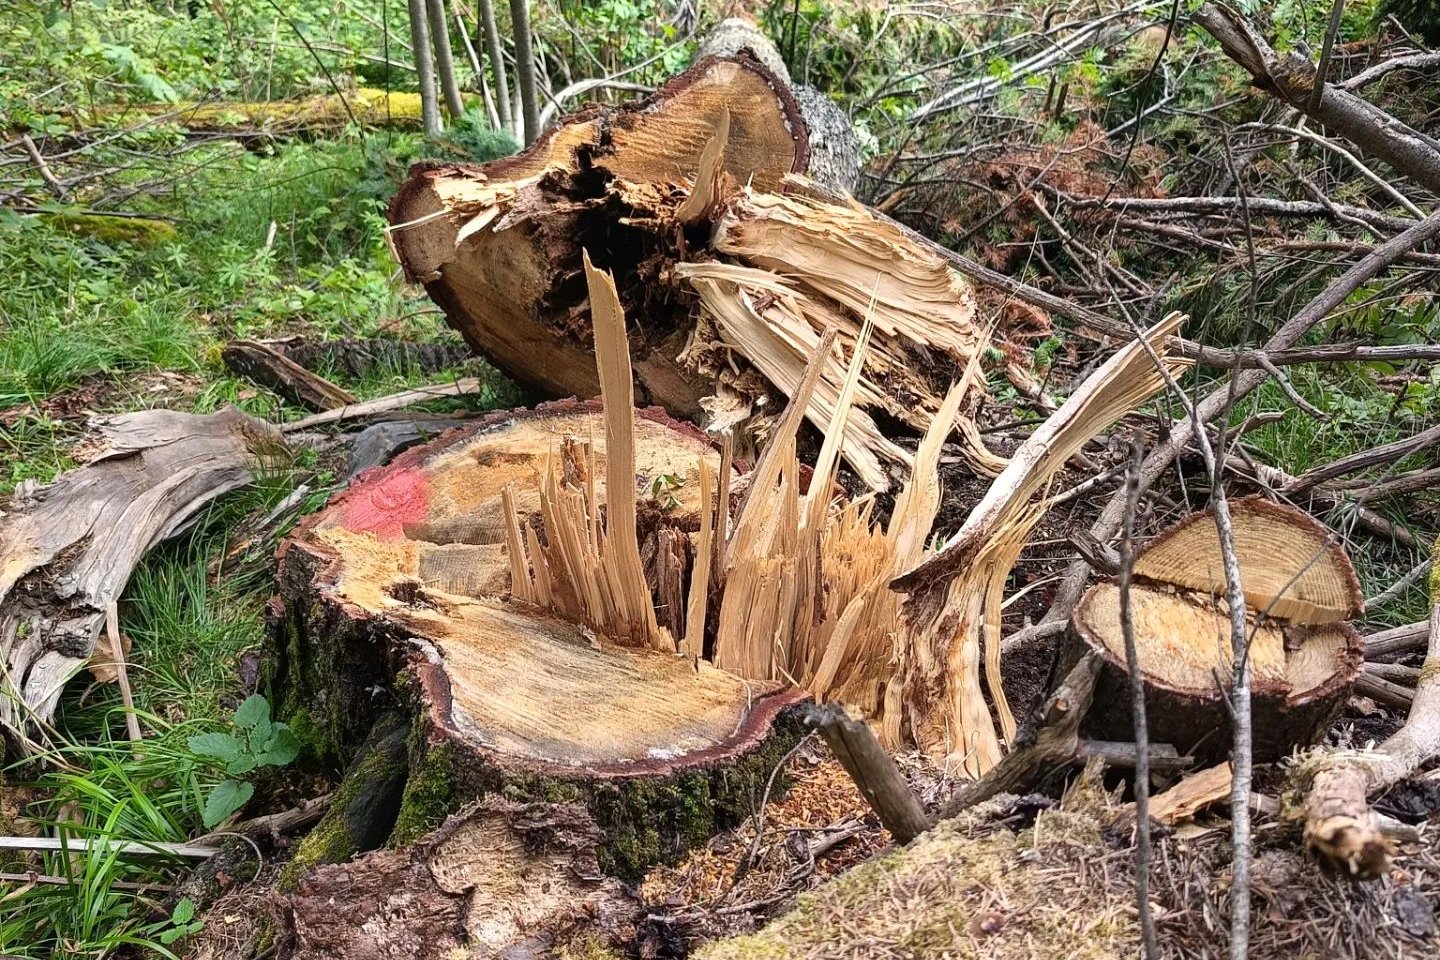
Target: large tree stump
(1300,590)
(398,595)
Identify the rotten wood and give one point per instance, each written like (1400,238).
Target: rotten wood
(67,549)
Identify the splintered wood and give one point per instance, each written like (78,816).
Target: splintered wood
(742,266)
(956,595)
(799,586)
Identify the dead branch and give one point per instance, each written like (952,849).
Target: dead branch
(275,371)
(873,770)
(395,401)
(1292,78)
(1412,636)
(1056,743)
(1385,453)
(1340,827)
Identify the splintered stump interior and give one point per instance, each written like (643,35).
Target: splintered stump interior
(1300,590)
(729,267)
(398,594)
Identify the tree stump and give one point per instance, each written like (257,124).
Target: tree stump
(1300,590)
(398,595)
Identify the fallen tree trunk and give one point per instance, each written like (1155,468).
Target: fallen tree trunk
(729,269)
(68,549)
(322,113)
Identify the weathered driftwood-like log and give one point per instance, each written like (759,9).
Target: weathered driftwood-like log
(729,270)
(400,593)
(1304,656)
(68,549)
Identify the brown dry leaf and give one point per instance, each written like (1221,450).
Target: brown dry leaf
(102,662)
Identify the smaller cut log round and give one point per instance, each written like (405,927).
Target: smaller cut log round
(398,595)
(1300,591)
(1301,675)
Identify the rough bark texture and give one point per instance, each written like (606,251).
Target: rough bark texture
(68,549)
(396,598)
(834,148)
(501,878)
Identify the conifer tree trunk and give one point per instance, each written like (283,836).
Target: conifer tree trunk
(444,58)
(525,69)
(424,67)
(485,11)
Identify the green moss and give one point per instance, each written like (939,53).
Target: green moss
(923,901)
(430,793)
(137,231)
(355,809)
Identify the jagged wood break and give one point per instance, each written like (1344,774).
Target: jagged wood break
(730,267)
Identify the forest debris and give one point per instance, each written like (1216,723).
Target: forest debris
(955,595)
(68,549)
(1340,827)
(873,770)
(395,401)
(1191,795)
(270,368)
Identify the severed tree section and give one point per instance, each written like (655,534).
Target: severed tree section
(730,266)
(1300,591)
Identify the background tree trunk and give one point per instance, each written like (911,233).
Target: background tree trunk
(525,70)
(444,57)
(485,11)
(424,68)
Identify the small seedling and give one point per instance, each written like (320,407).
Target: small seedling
(663,489)
(254,742)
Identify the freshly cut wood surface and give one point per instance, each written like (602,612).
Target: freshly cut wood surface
(1303,655)
(1292,567)
(1186,640)
(524,683)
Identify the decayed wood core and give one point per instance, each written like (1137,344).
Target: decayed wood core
(729,268)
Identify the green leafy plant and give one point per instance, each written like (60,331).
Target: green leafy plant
(182,923)
(255,741)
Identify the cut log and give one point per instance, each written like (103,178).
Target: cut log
(401,590)
(68,549)
(730,268)
(1300,590)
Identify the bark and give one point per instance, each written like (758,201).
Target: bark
(1292,78)
(525,69)
(485,10)
(68,549)
(272,369)
(444,57)
(424,67)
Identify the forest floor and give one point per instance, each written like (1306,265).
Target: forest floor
(225,238)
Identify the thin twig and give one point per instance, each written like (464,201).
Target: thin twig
(1137,712)
(122,673)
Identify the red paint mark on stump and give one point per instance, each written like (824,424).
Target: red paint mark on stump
(385,507)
